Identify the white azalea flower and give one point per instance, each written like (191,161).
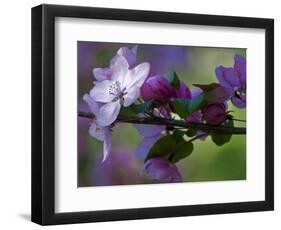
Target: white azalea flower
(123,88)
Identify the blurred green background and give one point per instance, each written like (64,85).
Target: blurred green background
(208,162)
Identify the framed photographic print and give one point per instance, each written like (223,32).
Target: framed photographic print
(142,114)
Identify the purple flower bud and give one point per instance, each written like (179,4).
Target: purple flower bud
(214,114)
(183,92)
(161,169)
(156,88)
(195,117)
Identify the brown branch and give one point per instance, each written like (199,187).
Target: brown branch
(175,123)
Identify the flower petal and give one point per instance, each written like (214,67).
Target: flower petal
(108,113)
(196,93)
(101,92)
(161,169)
(129,54)
(120,70)
(195,117)
(94,106)
(202,135)
(157,88)
(106,145)
(131,96)
(96,132)
(239,102)
(145,146)
(183,91)
(102,73)
(240,66)
(149,130)
(228,77)
(138,75)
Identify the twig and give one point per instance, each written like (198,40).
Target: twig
(234,119)
(176,123)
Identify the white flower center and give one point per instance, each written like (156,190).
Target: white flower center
(115,89)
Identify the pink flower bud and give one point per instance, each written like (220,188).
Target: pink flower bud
(214,114)
(156,88)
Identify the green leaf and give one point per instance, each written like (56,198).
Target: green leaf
(191,132)
(162,147)
(208,87)
(174,79)
(184,107)
(229,123)
(216,95)
(170,147)
(143,107)
(178,135)
(183,151)
(196,103)
(221,139)
(213,92)
(181,107)
(127,111)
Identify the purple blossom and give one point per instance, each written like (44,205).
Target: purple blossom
(233,80)
(151,134)
(161,169)
(195,117)
(101,74)
(163,111)
(156,88)
(120,168)
(215,113)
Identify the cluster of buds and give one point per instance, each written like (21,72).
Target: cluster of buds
(159,89)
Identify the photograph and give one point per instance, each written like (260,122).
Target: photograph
(140,114)
(158,113)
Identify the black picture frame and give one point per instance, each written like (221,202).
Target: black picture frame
(43,114)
